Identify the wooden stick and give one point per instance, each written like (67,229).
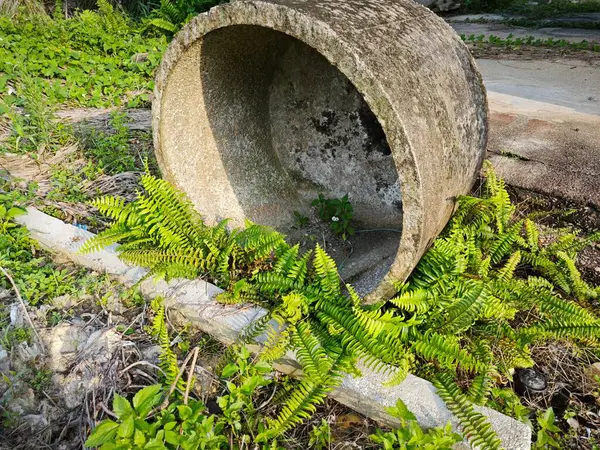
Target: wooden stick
(190,376)
(7,275)
(165,402)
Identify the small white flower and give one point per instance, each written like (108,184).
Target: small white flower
(335,219)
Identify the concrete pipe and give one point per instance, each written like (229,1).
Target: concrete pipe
(261,105)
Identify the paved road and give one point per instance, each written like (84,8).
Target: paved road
(545,125)
(569,83)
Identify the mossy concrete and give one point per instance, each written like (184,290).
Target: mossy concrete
(261,105)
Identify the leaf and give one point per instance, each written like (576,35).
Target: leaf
(139,438)
(15,211)
(104,432)
(184,411)
(401,411)
(121,406)
(229,370)
(146,398)
(172,437)
(164,25)
(126,428)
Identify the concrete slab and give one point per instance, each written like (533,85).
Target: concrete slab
(551,152)
(193,301)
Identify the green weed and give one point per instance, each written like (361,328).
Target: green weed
(111,152)
(86,60)
(511,41)
(337,212)
(152,418)
(410,435)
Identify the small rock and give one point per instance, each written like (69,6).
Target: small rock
(36,421)
(113,304)
(139,57)
(41,312)
(88,373)
(573,423)
(63,302)
(151,353)
(62,343)
(100,346)
(21,403)
(26,352)
(16,315)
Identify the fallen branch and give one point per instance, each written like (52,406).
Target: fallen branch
(27,316)
(165,402)
(190,376)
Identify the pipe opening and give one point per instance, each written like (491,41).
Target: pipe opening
(288,125)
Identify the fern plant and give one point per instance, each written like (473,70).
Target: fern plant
(485,291)
(171,15)
(167,357)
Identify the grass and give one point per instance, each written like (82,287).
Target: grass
(530,41)
(527,22)
(94,59)
(538,11)
(553,9)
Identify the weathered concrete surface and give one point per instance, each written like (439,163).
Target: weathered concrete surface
(545,126)
(503,31)
(193,301)
(556,154)
(245,135)
(547,112)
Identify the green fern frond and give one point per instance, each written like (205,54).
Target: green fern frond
(561,329)
(579,287)
(167,358)
(504,244)
(447,352)
(272,283)
(286,261)
(401,372)
(533,235)
(463,313)
(506,273)
(474,425)
(354,338)
(327,273)
(302,402)
(562,309)
(412,301)
(299,271)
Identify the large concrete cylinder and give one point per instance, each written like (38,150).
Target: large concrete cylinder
(261,105)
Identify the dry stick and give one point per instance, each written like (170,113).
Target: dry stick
(6,274)
(190,376)
(165,402)
(145,363)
